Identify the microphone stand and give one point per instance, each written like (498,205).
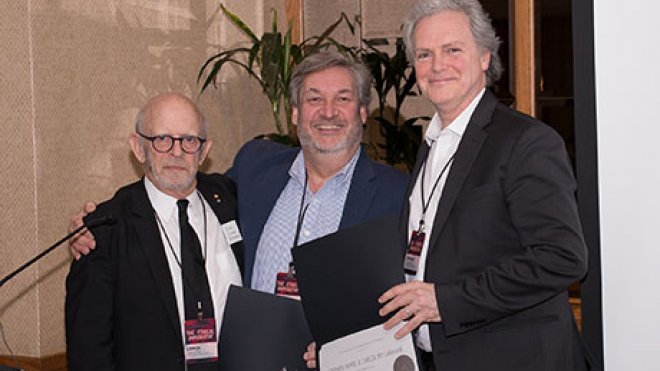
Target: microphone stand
(41,255)
(107,219)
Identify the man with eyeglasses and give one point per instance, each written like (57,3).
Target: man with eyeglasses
(153,294)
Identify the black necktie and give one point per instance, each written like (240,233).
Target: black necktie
(195,281)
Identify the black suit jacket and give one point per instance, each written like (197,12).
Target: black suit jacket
(505,246)
(121,311)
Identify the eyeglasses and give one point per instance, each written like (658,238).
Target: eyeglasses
(163,143)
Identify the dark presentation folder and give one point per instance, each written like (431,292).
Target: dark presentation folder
(262,331)
(341,276)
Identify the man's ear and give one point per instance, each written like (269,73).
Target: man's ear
(136,147)
(206,148)
(294,115)
(363,115)
(485,60)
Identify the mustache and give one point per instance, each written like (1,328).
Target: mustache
(175,162)
(333,121)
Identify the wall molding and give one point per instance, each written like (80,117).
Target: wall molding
(55,362)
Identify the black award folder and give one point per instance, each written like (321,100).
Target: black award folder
(262,331)
(341,276)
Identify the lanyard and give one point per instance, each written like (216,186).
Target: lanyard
(425,204)
(301,217)
(301,213)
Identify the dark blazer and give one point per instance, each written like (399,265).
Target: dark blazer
(505,246)
(261,171)
(121,311)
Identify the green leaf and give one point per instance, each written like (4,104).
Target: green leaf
(239,23)
(217,57)
(296,54)
(287,56)
(332,28)
(410,83)
(220,63)
(271,59)
(274,19)
(254,52)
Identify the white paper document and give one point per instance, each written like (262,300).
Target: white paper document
(371,349)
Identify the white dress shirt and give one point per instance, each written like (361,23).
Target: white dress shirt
(221,267)
(443,143)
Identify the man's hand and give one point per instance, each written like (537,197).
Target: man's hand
(310,355)
(83,242)
(414,301)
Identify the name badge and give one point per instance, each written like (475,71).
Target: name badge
(286,285)
(411,262)
(231,232)
(201,341)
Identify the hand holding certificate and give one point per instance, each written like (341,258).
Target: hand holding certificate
(414,301)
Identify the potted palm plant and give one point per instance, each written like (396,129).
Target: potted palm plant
(270,60)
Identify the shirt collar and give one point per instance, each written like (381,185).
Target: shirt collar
(457,126)
(164,204)
(297,169)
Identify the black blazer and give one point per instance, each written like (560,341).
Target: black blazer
(505,246)
(121,311)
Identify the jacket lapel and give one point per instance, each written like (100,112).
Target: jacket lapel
(467,152)
(148,234)
(215,198)
(360,194)
(265,193)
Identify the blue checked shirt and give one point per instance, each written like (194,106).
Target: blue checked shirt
(322,217)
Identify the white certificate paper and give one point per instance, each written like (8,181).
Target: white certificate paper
(371,349)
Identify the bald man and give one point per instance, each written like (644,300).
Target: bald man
(152,296)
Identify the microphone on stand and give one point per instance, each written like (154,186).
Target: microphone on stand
(102,220)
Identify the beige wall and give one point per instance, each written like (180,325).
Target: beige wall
(72,75)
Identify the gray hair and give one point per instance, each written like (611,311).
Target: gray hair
(327,59)
(139,119)
(480,25)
